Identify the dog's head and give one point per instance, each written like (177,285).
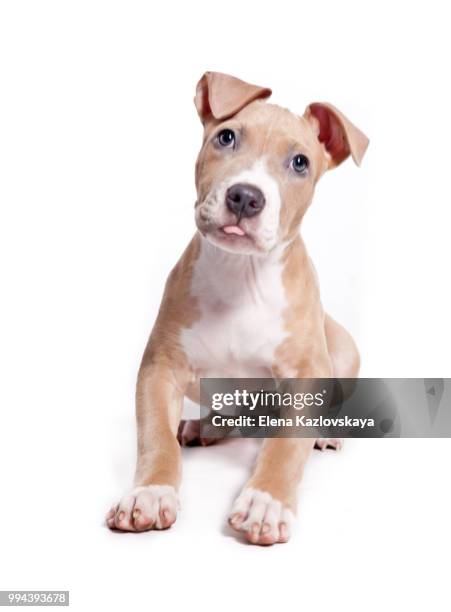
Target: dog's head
(259,163)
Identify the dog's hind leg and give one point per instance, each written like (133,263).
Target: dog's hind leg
(345,363)
(342,350)
(190,433)
(195,432)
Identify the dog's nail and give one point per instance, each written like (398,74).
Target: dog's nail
(283,532)
(121,515)
(266,528)
(136,512)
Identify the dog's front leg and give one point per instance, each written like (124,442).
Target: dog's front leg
(265,509)
(153,502)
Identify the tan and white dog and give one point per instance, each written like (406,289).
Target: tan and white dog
(243,300)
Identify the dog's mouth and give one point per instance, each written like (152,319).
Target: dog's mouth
(234,235)
(233,238)
(233,230)
(229,231)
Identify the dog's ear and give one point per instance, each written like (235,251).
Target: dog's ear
(340,137)
(219,95)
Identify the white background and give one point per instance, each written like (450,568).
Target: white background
(98,139)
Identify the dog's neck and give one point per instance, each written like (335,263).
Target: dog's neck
(236,277)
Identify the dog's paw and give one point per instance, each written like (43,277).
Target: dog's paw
(334,443)
(263,519)
(189,434)
(144,508)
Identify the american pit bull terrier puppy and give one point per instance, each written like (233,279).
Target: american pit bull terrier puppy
(243,300)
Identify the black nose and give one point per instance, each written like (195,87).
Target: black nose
(244,200)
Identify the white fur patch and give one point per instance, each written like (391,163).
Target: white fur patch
(145,507)
(258,512)
(241,299)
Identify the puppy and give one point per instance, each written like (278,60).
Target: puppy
(243,300)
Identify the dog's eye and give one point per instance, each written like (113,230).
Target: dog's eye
(300,163)
(226,138)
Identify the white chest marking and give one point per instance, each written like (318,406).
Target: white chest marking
(241,300)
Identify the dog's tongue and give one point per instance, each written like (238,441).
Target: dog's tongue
(233,229)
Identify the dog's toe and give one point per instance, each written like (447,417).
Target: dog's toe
(334,443)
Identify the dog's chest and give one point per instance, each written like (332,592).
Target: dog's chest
(241,302)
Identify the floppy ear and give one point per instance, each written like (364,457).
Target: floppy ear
(219,95)
(340,137)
